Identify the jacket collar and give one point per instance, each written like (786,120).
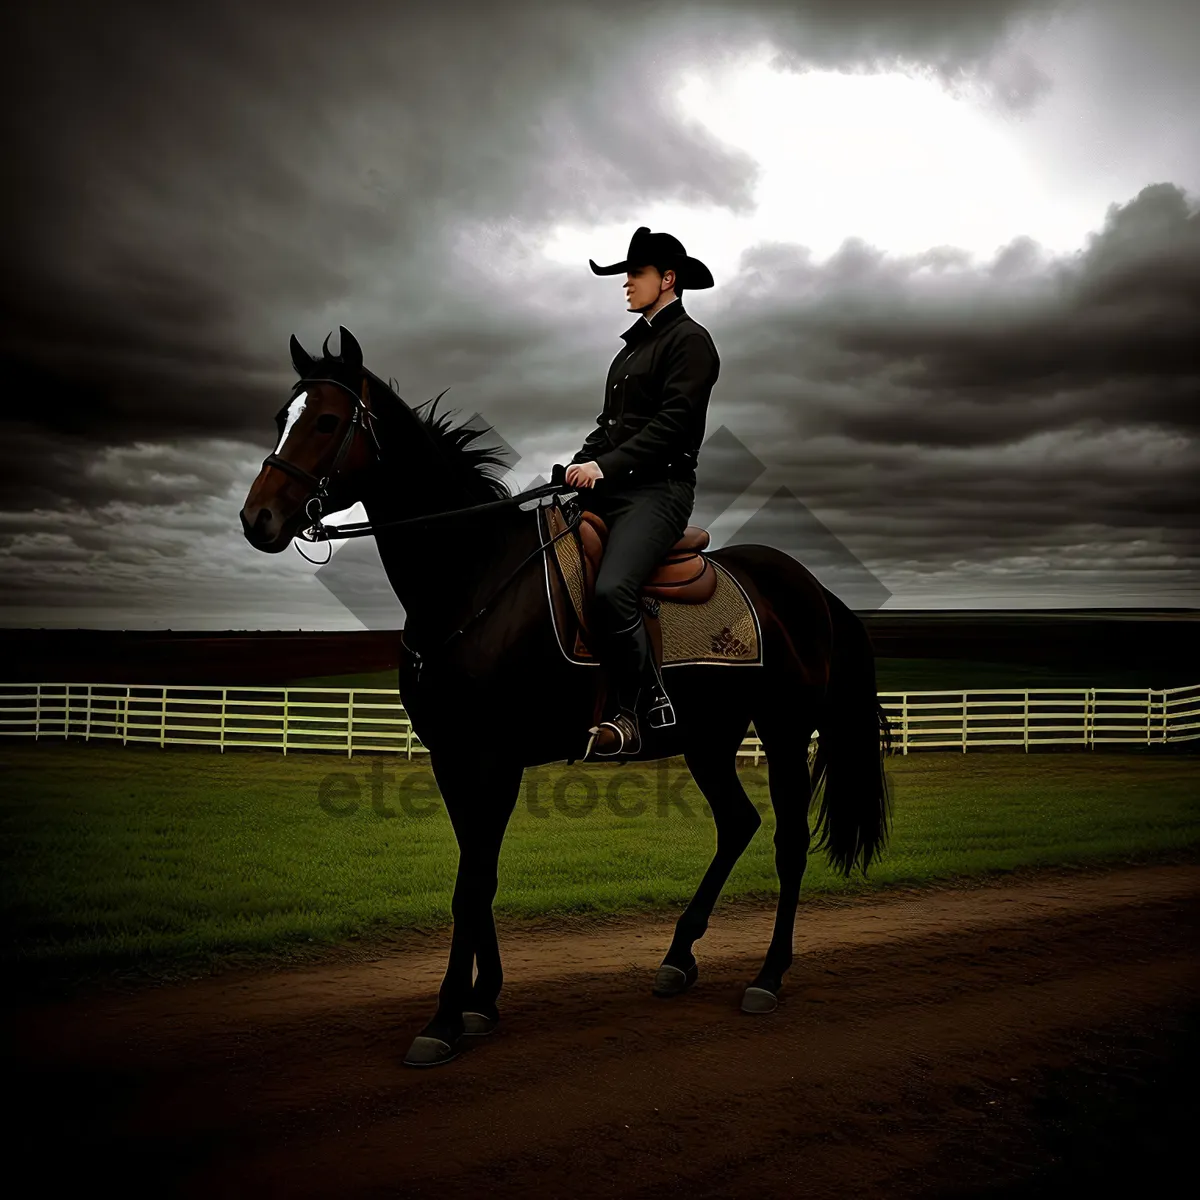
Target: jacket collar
(667,315)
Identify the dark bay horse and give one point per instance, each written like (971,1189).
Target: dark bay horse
(489,692)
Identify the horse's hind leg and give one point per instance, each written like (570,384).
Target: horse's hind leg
(785,738)
(713,764)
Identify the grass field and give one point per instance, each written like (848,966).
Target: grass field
(160,860)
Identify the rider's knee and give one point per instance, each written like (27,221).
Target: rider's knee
(614,597)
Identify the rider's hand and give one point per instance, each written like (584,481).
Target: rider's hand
(583,474)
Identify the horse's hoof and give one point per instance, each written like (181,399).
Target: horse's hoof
(430,1052)
(671,981)
(478,1024)
(758,1000)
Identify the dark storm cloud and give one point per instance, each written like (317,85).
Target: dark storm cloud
(165,559)
(941,354)
(201,180)
(998,425)
(1126,313)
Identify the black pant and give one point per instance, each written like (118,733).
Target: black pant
(644,521)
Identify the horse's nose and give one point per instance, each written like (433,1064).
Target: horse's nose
(254,532)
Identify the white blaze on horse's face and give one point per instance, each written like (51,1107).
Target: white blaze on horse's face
(294,410)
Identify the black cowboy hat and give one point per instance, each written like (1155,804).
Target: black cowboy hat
(663,250)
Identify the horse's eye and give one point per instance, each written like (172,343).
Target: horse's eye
(327,423)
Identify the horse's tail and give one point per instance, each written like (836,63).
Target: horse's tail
(849,782)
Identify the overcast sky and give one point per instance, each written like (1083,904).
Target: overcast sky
(956,251)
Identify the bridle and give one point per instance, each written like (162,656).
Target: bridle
(361,417)
(547,494)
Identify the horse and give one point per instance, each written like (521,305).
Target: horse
(465,559)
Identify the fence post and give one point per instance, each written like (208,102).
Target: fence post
(285,721)
(1026,722)
(1089,724)
(350,726)
(904,721)
(1149,709)
(964,722)
(125,719)
(162,728)
(1163,703)
(224,702)
(37,714)
(66,711)
(87,728)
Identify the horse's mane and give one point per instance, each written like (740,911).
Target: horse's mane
(473,464)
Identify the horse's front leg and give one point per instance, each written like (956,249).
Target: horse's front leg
(480,793)
(481,1014)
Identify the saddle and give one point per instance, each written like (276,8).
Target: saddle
(683,575)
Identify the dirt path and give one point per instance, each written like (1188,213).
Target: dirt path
(943,1043)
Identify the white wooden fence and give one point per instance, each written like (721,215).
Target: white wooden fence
(373,719)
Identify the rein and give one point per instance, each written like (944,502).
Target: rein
(540,497)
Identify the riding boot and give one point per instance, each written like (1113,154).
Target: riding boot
(638,690)
(618,735)
(650,697)
(660,712)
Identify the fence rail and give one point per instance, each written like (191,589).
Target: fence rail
(345,720)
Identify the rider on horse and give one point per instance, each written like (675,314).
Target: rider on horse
(641,463)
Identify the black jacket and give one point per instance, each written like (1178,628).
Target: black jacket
(655,401)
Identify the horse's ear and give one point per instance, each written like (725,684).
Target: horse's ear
(301,359)
(351,351)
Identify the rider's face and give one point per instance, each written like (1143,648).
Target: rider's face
(644,286)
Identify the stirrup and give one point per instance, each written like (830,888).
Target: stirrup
(661,713)
(623,748)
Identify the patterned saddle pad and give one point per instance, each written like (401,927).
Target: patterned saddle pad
(723,629)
